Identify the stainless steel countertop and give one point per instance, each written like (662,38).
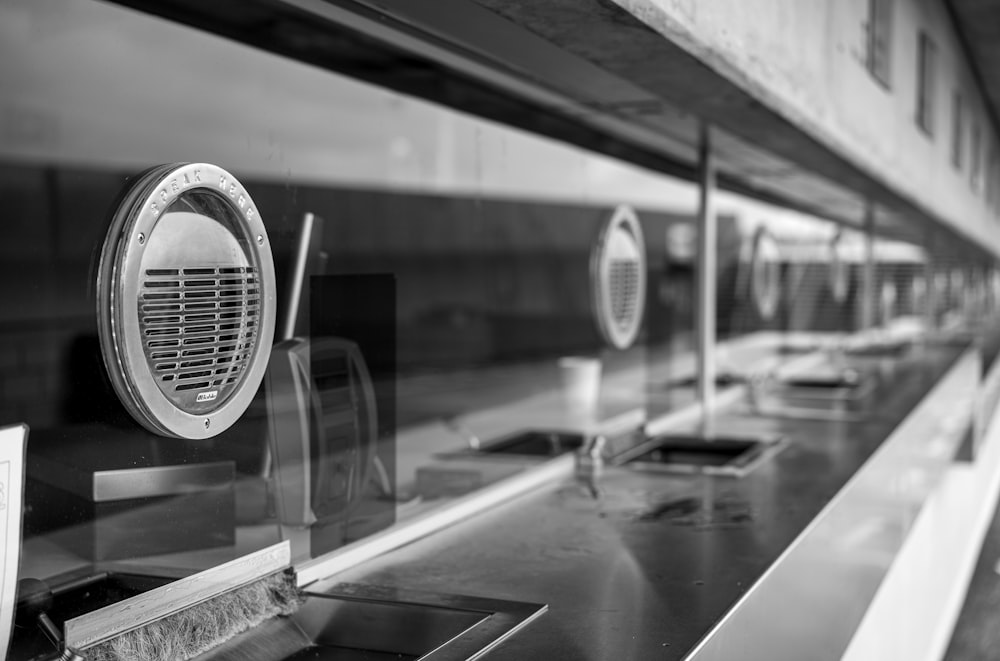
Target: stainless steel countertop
(648,569)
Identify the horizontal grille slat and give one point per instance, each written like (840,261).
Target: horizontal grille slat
(199,326)
(157,344)
(194,375)
(200,385)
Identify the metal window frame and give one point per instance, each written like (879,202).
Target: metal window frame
(926,81)
(878,58)
(957,130)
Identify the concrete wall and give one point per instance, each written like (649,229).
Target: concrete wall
(806,60)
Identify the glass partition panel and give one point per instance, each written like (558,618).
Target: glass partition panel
(188,403)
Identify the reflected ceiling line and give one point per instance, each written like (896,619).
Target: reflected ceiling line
(654,62)
(368,44)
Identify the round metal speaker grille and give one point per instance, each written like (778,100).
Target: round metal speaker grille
(618,278)
(887,301)
(765,274)
(839,268)
(186,302)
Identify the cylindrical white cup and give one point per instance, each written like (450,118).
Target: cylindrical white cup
(581,380)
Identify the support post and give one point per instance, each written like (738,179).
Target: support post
(706,283)
(931,294)
(868,272)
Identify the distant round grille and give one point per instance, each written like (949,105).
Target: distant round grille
(765,274)
(186,300)
(618,278)
(887,301)
(839,269)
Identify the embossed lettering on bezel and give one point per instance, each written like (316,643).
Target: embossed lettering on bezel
(185,296)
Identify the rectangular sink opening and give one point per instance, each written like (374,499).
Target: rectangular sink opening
(847,385)
(884,348)
(535,443)
(361,622)
(410,630)
(722,380)
(694,453)
(73,595)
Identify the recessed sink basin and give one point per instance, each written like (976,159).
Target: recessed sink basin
(535,443)
(542,444)
(692,453)
(847,384)
(722,380)
(65,597)
(879,348)
(849,380)
(355,622)
(808,413)
(795,348)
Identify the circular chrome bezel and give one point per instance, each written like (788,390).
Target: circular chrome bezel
(765,274)
(621,229)
(839,268)
(887,300)
(118,282)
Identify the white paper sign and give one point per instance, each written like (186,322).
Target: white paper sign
(12,445)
